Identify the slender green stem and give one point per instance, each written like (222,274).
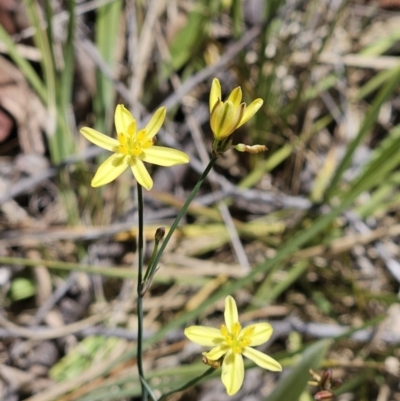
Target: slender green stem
(181,213)
(190,383)
(139,293)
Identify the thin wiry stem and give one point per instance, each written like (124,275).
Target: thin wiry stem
(139,293)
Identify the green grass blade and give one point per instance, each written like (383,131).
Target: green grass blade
(384,161)
(25,67)
(382,45)
(375,83)
(293,384)
(67,74)
(270,289)
(48,10)
(370,120)
(108,22)
(191,37)
(42,42)
(237,18)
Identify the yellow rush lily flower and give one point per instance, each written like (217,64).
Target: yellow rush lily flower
(231,342)
(226,117)
(132,148)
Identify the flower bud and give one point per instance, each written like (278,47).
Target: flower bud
(227,116)
(241,147)
(214,364)
(160,232)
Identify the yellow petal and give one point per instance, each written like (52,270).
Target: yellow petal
(131,130)
(236,96)
(205,336)
(110,169)
(221,119)
(232,372)
(235,120)
(231,312)
(216,352)
(123,119)
(251,109)
(262,360)
(155,123)
(259,333)
(99,139)
(215,93)
(162,156)
(140,173)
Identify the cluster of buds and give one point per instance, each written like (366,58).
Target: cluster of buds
(326,384)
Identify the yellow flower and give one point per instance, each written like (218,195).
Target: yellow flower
(231,341)
(227,116)
(132,148)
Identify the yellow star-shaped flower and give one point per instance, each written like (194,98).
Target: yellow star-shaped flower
(132,148)
(233,342)
(226,117)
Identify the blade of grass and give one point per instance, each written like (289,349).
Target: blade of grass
(41,89)
(291,386)
(237,18)
(385,160)
(42,42)
(381,45)
(108,23)
(191,37)
(376,82)
(382,198)
(323,176)
(68,71)
(369,121)
(26,68)
(48,10)
(272,289)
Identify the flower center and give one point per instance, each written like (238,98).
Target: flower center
(133,143)
(236,339)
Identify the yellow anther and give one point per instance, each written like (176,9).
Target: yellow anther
(134,143)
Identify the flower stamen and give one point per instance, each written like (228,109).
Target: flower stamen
(134,144)
(234,340)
